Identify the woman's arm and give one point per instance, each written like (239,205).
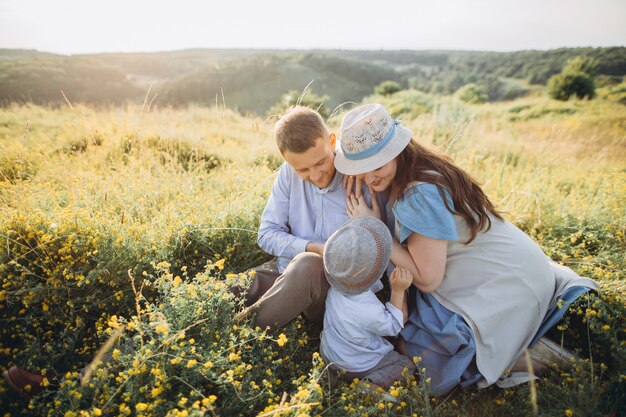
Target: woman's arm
(425,259)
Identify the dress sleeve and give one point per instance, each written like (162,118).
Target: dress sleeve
(422,210)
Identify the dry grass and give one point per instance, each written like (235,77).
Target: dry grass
(87,195)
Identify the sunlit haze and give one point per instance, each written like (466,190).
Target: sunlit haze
(78,26)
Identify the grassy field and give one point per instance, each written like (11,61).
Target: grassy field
(132,223)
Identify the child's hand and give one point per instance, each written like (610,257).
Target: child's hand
(400,279)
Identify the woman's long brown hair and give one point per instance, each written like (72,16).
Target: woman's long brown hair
(417,163)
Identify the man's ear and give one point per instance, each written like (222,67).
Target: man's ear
(333,140)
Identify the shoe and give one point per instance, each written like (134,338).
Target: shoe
(546,352)
(25,383)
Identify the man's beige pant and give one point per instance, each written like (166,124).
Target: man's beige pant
(277,299)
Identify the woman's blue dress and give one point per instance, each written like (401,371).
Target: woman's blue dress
(441,338)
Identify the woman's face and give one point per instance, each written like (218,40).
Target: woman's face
(382,178)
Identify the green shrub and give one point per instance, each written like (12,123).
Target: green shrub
(180,152)
(182,351)
(472,93)
(234,241)
(405,104)
(58,282)
(576,79)
(563,86)
(387,88)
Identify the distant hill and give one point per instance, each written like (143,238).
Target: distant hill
(257,82)
(41,79)
(446,71)
(172,64)
(253,80)
(6,54)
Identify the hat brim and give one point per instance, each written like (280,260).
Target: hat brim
(361,166)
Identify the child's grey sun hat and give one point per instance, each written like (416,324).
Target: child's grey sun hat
(357,254)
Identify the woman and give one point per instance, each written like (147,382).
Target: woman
(483,291)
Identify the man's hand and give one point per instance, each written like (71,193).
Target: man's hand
(400,279)
(315,247)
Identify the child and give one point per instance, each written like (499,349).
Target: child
(355,257)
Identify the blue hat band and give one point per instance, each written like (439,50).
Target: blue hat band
(366,153)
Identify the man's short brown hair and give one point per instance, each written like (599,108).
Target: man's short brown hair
(298,130)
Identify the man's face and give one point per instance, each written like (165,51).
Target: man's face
(315,165)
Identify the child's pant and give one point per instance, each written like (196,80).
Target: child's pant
(392,367)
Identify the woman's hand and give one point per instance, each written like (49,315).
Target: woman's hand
(352,184)
(358,207)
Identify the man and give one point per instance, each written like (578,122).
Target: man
(306,205)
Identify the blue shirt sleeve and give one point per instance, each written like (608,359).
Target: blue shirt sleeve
(422,210)
(275,235)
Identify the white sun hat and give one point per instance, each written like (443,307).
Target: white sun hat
(369,139)
(357,254)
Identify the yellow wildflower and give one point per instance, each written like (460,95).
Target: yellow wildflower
(156,392)
(220,264)
(282,339)
(209,400)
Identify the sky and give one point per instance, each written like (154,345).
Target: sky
(93,26)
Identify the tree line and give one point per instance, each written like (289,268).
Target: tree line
(255,80)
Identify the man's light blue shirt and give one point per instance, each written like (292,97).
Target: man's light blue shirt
(298,212)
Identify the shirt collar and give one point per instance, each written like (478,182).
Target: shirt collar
(334,185)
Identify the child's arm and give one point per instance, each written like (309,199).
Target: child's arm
(405,308)
(400,280)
